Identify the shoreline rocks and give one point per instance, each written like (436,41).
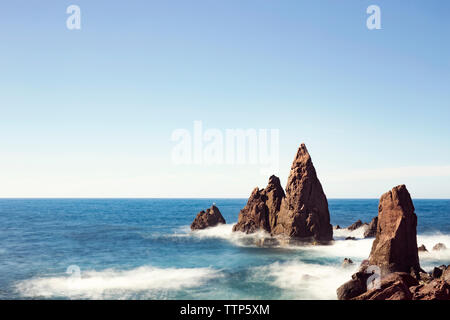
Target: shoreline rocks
(394,259)
(209,218)
(395,246)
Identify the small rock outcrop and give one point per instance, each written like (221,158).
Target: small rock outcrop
(422,248)
(439,246)
(347,262)
(260,212)
(436,289)
(209,218)
(395,246)
(301,213)
(395,286)
(371,231)
(356,225)
(304,211)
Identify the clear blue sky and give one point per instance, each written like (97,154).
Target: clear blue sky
(90,112)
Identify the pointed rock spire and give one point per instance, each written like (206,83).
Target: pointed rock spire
(304,211)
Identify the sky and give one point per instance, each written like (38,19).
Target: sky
(92,112)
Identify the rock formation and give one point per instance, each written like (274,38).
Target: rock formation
(439,246)
(371,231)
(394,252)
(395,245)
(260,212)
(356,225)
(209,218)
(302,213)
(422,248)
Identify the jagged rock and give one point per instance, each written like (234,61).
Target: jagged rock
(209,218)
(260,212)
(437,289)
(395,246)
(422,248)
(304,211)
(350,238)
(338,227)
(439,246)
(356,225)
(354,287)
(347,262)
(371,231)
(394,286)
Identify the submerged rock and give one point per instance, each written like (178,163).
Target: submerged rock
(395,246)
(209,218)
(422,248)
(347,262)
(350,238)
(439,246)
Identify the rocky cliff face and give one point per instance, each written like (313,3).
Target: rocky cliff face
(394,251)
(209,218)
(260,212)
(395,245)
(302,213)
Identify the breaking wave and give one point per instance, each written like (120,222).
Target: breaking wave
(143,282)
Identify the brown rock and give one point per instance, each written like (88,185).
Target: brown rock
(371,231)
(395,246)
(260,212)
(439,246)
(434,290)
(356,225)
(354,287)
(209,218)
(304,211)
(394,286)
(422,248)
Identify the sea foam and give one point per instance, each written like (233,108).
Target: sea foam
(150,282)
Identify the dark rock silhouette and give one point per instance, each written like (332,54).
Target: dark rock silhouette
(209,218)
(395,245)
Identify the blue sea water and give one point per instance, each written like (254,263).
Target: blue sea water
(144,249)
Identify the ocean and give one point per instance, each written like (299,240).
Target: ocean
(144,249)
